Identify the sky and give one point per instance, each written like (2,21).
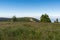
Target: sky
(29,8)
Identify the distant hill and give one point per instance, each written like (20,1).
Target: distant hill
(28,19)
(22,19)
(4,19)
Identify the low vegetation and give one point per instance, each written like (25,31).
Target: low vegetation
(29,31)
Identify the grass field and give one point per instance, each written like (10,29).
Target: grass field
(29,31)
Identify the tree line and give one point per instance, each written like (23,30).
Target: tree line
(44,18)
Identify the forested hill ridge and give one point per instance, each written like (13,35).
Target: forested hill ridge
(22,19)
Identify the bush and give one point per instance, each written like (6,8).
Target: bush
(45,18)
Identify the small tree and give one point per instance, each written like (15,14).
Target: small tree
(14,19)
(56,21)
(45,18)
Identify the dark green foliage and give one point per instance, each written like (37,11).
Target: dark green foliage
(45,18)
(23,19)
(14,19)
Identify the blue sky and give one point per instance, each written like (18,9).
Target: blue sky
(30,8)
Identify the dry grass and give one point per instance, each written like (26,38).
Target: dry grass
(29,31)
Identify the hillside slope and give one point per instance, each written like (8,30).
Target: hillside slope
(22,19)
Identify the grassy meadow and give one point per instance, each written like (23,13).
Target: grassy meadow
(29,31)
